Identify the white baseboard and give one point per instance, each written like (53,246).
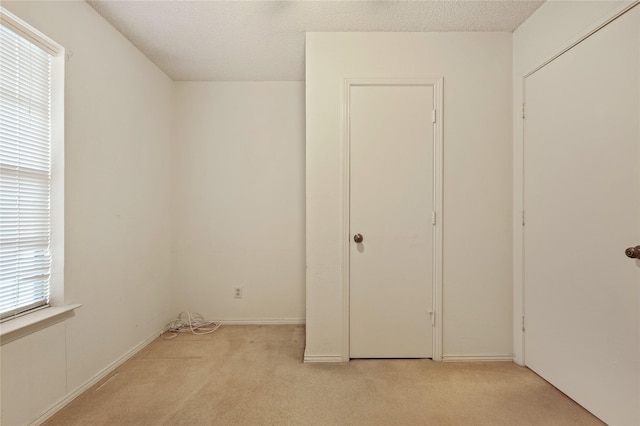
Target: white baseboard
(262,321)
(475,358)
(95,379)
(445,358)
(323,358)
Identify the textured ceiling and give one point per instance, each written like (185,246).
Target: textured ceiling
(264,40)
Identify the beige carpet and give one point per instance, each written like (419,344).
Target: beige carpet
(254,375)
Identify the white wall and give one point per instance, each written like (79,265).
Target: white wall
(238,191)
(552,28)
(477,179)
(117,245)
(238,198)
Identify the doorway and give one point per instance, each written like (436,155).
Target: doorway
(394,149)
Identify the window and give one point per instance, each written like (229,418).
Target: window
(27,188)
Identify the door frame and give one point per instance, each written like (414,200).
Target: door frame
(519,219)
(437,84)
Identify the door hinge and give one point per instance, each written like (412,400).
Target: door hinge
(523,114)
(433,217)
(522,217)
(433,116)
(523,323)
(432,314)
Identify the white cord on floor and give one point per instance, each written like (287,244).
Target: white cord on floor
(188,322)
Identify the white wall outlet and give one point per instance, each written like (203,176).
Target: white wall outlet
(237,292)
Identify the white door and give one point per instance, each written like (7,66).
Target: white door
(391,192)
(582,210)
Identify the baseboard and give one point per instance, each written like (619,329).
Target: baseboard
(95,379)
(445,358)
(323,358)
(475,358)
(262,321)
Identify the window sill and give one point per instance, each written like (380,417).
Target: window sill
(26,324)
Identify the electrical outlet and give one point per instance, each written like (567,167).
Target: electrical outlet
(237,292)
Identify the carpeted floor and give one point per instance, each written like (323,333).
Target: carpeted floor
(254,375)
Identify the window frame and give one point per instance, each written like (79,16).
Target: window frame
(11,324)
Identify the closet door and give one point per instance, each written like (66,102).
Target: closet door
(582,210)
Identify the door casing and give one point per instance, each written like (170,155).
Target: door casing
(437,84)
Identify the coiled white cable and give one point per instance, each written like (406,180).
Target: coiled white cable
(188,322)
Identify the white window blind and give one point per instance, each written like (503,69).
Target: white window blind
(25,174)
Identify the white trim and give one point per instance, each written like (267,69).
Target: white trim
(476,358)
(518,171)
(592,29)
(518,237)
(438,194)
(14,328)
(346,219)
(437,83)
(323,358)
(56,283)
(262,321)
(95,379)
(25,30)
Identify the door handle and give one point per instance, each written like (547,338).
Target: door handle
(633,252)
(358,238)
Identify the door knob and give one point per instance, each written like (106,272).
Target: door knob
(358,238)
(633,252)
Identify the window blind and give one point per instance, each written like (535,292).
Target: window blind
(25,174)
